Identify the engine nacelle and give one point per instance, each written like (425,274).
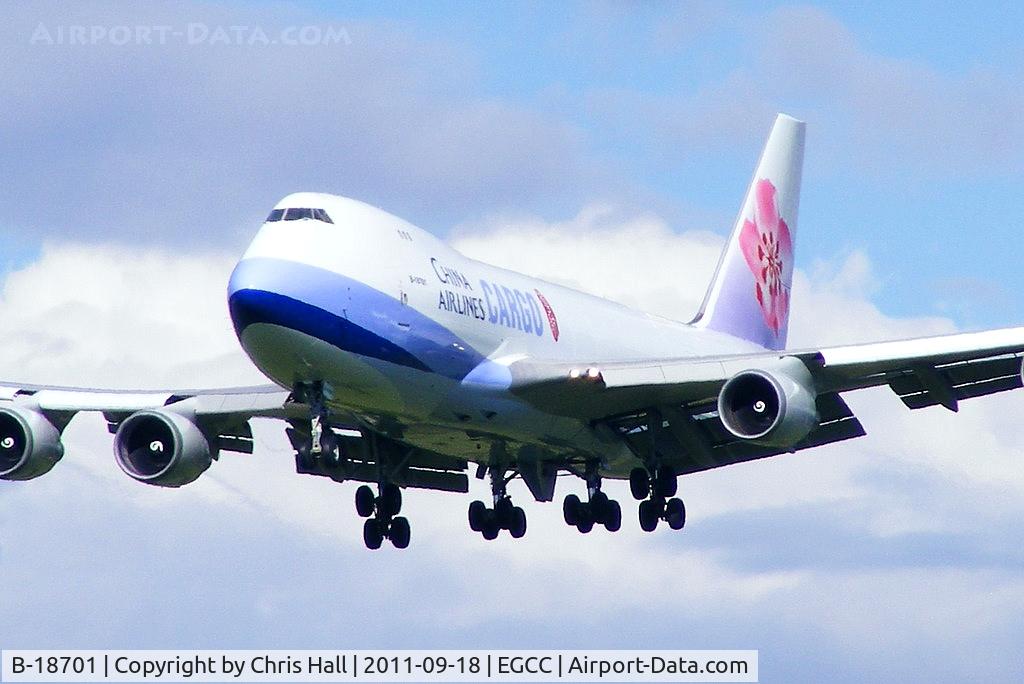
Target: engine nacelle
(161,448)
(774,407)
(29,443)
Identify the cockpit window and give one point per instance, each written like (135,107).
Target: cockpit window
(295,213)
(321,215)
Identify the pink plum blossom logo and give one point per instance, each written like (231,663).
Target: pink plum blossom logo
(768,248)
(552,319)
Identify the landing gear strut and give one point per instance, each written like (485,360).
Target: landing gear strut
(322,448)
(503,516)
(655,487)
(381,511)
(318,452)
(598,509)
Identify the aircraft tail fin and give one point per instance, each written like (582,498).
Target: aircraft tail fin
(749,295)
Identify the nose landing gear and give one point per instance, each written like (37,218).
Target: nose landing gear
(322,447)
(318,451)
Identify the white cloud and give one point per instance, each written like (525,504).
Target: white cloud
(138,317)
(599,251)
(391,113)
(100,315)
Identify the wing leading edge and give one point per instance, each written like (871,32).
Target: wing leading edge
(671,405)
(222,417)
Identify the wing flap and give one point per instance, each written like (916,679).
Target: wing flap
(108,402)
(406,466)
(922,399)
(692,438)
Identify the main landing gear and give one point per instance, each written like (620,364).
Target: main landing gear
(381,513)
(503,516)
(655,488)
(598,509)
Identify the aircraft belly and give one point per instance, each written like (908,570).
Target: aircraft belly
(434,412)
(288,357)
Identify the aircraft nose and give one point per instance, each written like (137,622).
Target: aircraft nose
(247,307)
(250,294)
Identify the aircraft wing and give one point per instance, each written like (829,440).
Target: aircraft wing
(222,415)
(672,403)
(255,400)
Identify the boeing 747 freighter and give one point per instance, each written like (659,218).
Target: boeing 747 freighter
(398,362)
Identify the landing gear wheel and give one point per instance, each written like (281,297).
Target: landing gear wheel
(304,461)
(665,482)
(675,514)
(373,537)
(599,506)
(330,451)
(649,514)
(613,516)
(477,515)
(490,527)
(517,527)
(400,532)
(586,520)
(571,509)
(504,509)
(390,502)
(639,483)
(364,501)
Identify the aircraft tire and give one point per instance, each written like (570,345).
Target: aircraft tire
(390,502)
(373,537)
(571,509)
(665,482)
(504,510)
(639,483)
(364,501)
(613,517)
(649,512)
(330,454)
(675,514)
(518,527)
(477,514)
(304,461)
(599,506)
(586,520)
(400,532)
(490,529)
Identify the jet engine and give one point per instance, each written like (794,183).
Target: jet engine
(29,443)
(774,407)
(161,448)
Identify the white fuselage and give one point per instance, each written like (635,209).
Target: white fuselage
(402,328)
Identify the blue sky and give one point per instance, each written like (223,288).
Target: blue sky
(654,106)
(552,138)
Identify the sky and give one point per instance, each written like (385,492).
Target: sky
(605,145)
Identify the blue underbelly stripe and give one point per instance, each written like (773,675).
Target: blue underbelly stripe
(377,323)
(257,306)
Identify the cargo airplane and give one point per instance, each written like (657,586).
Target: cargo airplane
(398,362)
